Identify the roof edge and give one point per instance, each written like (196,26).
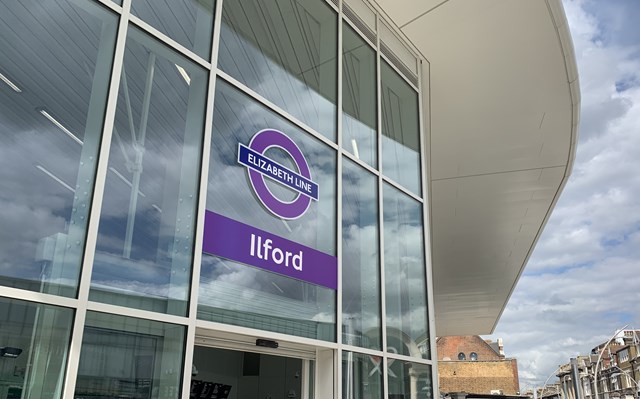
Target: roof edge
(556,11)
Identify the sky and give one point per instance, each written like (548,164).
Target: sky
(582,282)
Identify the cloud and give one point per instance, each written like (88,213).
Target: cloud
(581,282)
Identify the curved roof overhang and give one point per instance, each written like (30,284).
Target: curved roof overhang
(503,100)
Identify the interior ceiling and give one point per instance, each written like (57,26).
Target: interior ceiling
(504,108)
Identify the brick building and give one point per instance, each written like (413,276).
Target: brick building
(471,364)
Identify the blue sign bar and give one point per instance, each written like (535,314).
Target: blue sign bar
(277,172)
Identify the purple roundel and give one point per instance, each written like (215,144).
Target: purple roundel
(259,167)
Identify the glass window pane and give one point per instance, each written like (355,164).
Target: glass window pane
(405,269)
(188,22)
(409,380)
(34,342)
(243,295)
(360,258)
(286,51)
(361,376)
(123,357)
(145,239)
(54,76)
(400,130)
(359,115)
(247,375)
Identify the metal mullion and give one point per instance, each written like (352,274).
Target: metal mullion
(359,162)
(96,207)
(202,204)
(362,350)
(338,353)
(402,188)
(110,4)
(230,328)
(135,313)
(407,358)
(382,16)
(174,45)
(38,297)
(359,32)
(425,134)
(275,108)
(383,292)
(333,6)
(242,346)
(390,63)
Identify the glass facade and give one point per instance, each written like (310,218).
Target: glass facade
(400,129)
(405,275)
(286,51)
(362,376)
(128,357)
(360,258)
(56,65)
(145,242)
(359,101)
(269,301)
(126,124)
(34,347)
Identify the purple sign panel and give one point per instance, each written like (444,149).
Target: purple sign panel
(260,167)
(239,242)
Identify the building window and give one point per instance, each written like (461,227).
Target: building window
(400,130)
(623,355)
(269,301)
(462,356)
(58,57)
(405,280)
(473,356)
(130,358)
(359,109)
(145,240)
(409,380)
(286,52)
(34,342)
(189,22)
(361,376)
(360,258)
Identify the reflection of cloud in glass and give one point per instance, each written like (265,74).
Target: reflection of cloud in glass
(32,204)
(147,224)
(405,268)
(255,45)
(261,299)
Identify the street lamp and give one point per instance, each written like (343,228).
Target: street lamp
(535,390)
(595,372)
(629,376)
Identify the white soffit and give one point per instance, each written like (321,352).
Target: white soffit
(504,103)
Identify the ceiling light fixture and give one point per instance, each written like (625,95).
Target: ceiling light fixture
(8,351)
(10,83)
(184,74)
(354,144)
(59,125)
(56,178)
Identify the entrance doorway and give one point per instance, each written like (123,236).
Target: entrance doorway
(234,374)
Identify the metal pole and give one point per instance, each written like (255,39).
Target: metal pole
(138,146)
(577,386)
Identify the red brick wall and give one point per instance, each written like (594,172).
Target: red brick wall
(479,377)
(451,346)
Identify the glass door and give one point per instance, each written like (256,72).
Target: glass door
(234,374)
